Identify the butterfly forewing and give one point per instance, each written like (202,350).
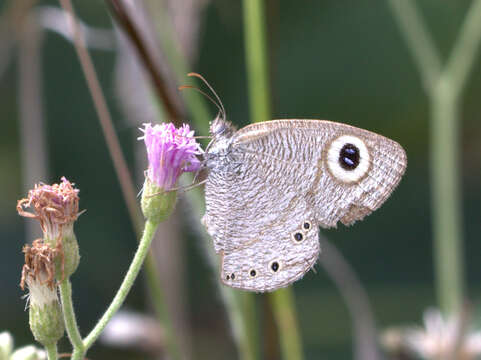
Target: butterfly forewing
(336,193)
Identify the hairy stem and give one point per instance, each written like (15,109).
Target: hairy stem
(70,320)
(51,351)
(126,285)
(120,165)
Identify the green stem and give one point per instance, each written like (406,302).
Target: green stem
(51,352)
(256,60)
(80,347)
(127,283)
(282,301)
(419,41)
(250,338)
(444,88)
(463,54)
(128,189)
(446,199)
(70,320)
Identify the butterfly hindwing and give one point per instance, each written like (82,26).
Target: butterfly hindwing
(262,226)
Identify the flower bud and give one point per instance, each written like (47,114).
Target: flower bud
(6,345)
(157,205)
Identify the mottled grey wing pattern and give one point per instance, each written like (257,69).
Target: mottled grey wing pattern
(277,183)
(260,223)
(332,197)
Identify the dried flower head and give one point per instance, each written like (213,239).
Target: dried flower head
(55,206)
(170,152)
(45,313)
(40,265)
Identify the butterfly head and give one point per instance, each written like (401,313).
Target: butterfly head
(221,132)
(220,127)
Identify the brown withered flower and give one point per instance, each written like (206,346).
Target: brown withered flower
(55,206)
(40,265)
(39,273)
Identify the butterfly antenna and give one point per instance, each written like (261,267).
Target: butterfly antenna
(220,107)
(211,89)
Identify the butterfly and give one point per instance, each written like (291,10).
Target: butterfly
(271,185)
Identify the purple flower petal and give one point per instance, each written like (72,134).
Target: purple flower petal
(170,152)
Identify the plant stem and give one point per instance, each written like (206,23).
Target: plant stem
(462,56)
(200,115)
(127,283)
(51,351)
(356,299)
(118,9)
(196,106)
(444,88)
(419,41)
(282,301)
(256,60)
(446,199)
(118,160)
(250,337)
(80,347)
(70,320)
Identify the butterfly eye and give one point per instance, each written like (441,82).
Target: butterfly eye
(348,158)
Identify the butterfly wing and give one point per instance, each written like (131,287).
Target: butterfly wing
(260,223)
(282,179)
(351,171)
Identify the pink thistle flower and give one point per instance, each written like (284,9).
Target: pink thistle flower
(170,152)
(55,206)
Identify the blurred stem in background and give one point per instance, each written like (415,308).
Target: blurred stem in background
(125,179)
(238,318)
(444,86)
(35,166)
(356,299)
(282,301)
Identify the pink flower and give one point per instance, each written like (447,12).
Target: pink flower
(171,152)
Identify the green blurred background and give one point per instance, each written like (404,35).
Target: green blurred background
(338,60)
